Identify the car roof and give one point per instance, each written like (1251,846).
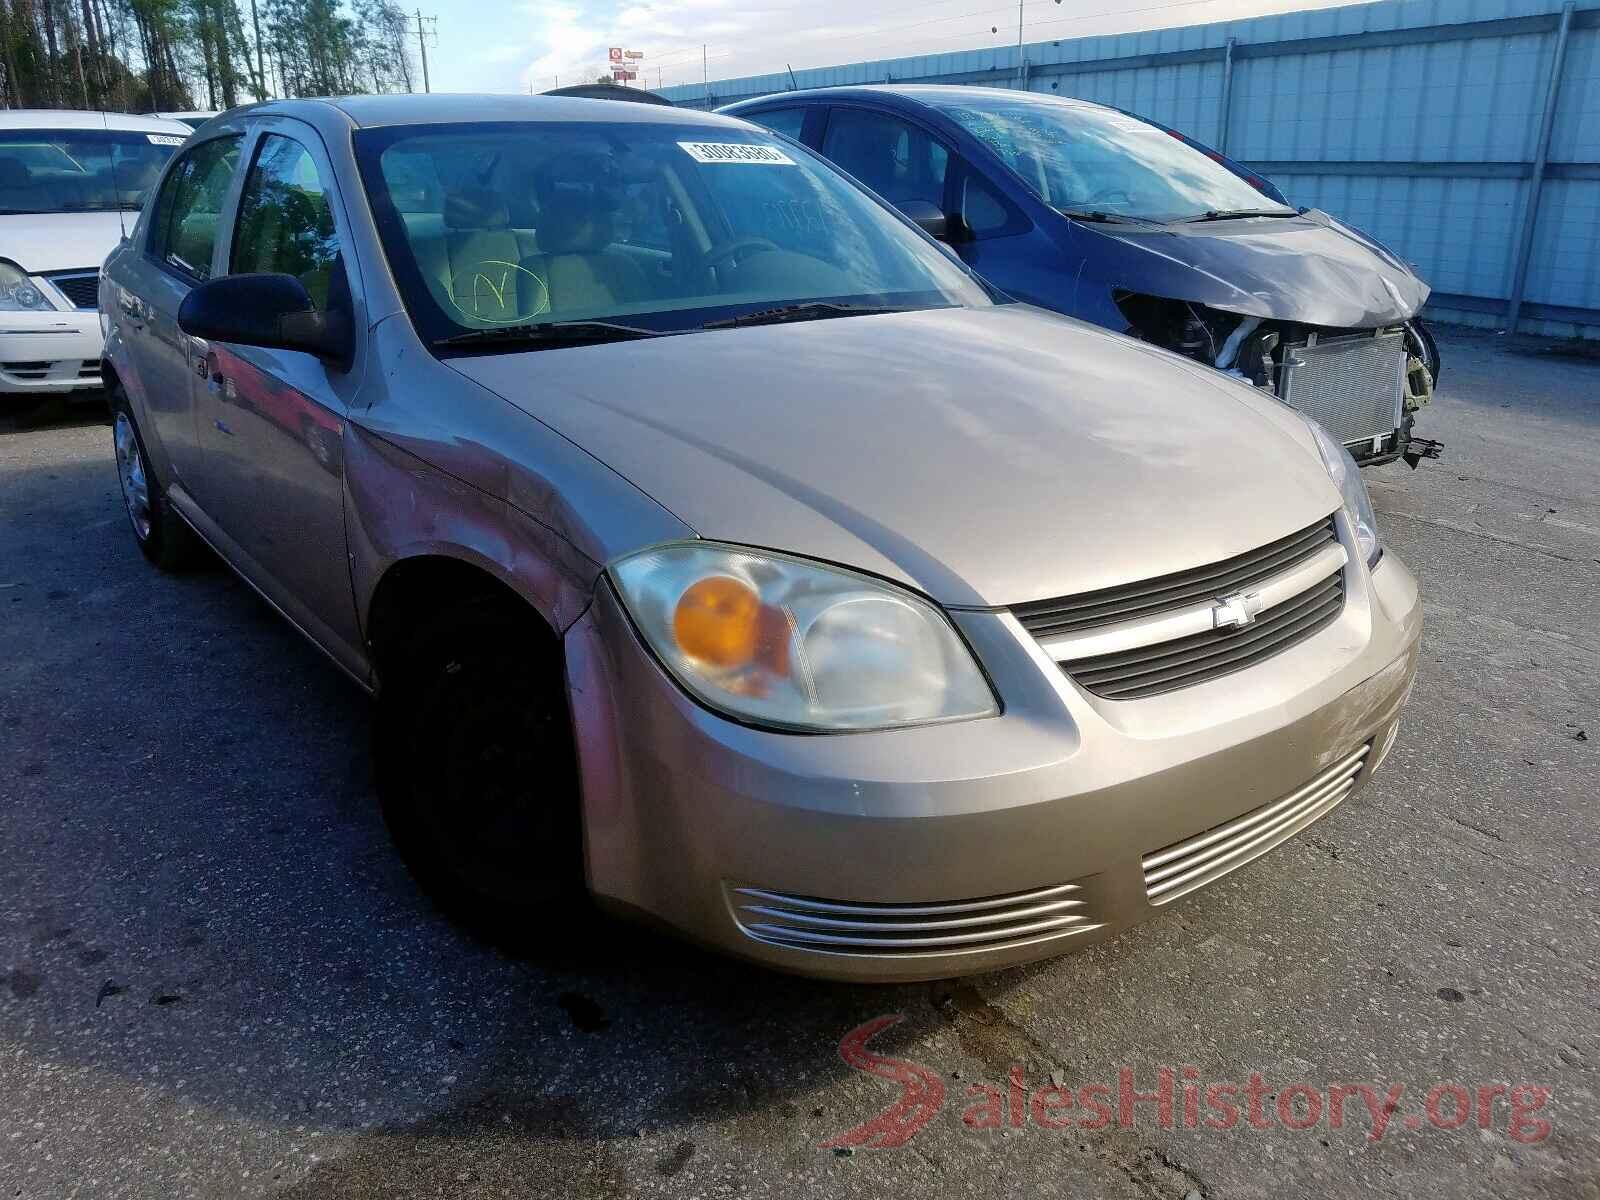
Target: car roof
(68,118)
(925,94)
(373,112)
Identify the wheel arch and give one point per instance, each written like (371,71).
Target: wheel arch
(415,588)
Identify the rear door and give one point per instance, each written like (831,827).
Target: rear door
(271,422)
(177,255)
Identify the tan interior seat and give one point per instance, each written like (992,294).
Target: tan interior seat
(473,265)
(584,276)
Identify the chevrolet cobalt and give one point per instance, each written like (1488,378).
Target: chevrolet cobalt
(717,545)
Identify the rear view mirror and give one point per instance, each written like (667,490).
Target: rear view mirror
(929,218)
(273,311)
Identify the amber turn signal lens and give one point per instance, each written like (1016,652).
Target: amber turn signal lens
(717,620)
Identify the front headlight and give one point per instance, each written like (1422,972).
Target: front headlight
(1344,472)
(17,293)
(793,644)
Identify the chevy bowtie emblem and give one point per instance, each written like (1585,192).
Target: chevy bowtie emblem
(1238,609)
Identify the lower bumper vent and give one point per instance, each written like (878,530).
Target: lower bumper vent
(963,926)
(1207,856)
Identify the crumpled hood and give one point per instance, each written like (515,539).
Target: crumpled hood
(1310,269)
(61,241)
(985,456)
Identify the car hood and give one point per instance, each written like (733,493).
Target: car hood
(39,242)
(1310,269)
(984,456)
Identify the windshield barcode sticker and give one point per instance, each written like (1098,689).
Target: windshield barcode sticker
(165,139)
(736,152)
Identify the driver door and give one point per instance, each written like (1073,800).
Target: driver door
(271,422)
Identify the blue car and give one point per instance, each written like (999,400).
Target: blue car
(1111,218)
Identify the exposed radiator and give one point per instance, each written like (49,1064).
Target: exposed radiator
(1351,385)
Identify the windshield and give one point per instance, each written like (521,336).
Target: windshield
(79,170)
(650,225)
(1082,159)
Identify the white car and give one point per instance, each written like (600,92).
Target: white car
(193,118)
(71,184)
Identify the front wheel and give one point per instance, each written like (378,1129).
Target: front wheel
(477,774)
(162,535)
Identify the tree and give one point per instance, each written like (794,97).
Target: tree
(139,55)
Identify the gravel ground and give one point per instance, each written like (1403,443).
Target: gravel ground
(217,980)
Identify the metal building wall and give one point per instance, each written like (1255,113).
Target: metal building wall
(1418,121)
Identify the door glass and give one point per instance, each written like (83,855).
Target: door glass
(982,210)
(787,121)
(892,157)
(285,220)
(183,228)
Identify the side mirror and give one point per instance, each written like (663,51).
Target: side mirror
(274,311)
(929,218)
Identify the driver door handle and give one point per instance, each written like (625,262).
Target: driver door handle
(199,353)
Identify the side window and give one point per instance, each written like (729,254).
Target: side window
(285,221)
(892,157)
(183,227)
(983,212)
(787,121)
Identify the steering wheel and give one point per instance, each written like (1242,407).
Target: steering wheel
(1107,194)
(732,250)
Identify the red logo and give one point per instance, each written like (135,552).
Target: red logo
(921,1094)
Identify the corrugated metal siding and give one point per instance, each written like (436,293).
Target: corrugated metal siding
(1419,126)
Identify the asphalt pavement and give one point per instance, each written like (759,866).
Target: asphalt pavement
(217,980)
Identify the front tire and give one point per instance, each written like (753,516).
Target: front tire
(162,535)
(477,773)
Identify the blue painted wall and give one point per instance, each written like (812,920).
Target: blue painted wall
(1416,120)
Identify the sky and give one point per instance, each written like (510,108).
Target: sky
(518,45)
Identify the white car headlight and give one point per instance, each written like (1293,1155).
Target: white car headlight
(17,293)
(792,644)
(1347,476)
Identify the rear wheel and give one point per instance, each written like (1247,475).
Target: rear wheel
(477,773)
(163,536)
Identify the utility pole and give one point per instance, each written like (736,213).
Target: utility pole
(1019,42)
(422,44)
(1022,63)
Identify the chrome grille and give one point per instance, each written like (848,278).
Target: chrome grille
(1194,862)
(1151,597)
(82,288)
(1350,385)
(848,927)
(1183,662)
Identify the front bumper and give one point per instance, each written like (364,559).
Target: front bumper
(984,836)
(46,352)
